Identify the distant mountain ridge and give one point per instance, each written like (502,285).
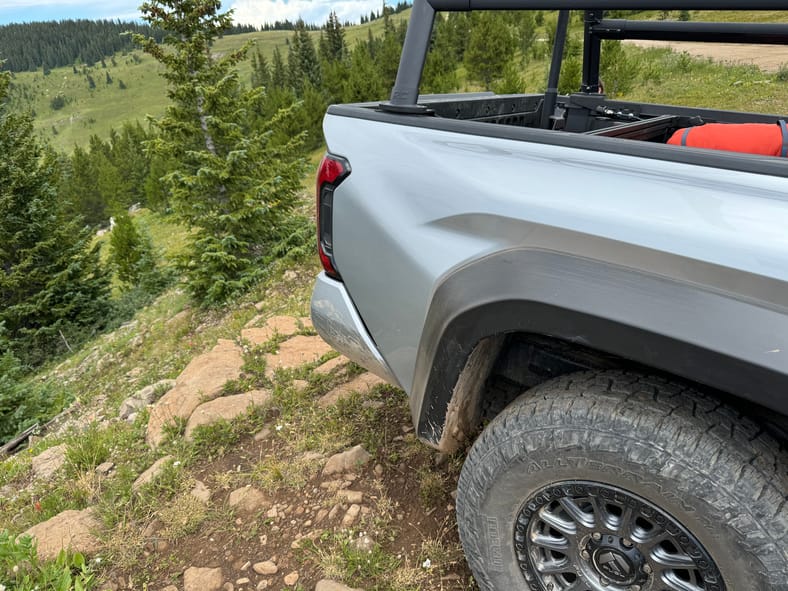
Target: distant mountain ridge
(27,47)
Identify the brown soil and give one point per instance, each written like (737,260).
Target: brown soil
(768,58)
(398,518)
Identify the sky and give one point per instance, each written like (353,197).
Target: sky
(252,12)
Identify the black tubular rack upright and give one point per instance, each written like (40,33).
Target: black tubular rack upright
(404,96)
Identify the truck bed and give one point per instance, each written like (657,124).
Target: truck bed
(589,121)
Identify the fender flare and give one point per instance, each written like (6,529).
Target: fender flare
(731,342)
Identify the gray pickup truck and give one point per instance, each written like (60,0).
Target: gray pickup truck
(608,310)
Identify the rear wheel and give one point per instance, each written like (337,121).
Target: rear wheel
(615,481)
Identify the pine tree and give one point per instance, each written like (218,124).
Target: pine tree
(304,67)
(364,82)
(490,46)
(230,183)
(278,70)
(511,82)
(332,44)
(52,286)
(131,254)
(261,74)
(440,70)
(79,190)
(388,52)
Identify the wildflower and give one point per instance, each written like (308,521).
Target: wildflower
(426,564)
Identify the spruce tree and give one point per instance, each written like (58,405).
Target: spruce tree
(261,73)
(332,42)
(131,254)
(53,289)
(387,52)
(490,46)
(364,81)
(230,183)
(278,70)
(304,67)
(440,70)
(80,191)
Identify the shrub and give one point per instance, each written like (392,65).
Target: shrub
(782,73)
(131,251)
(21,569)
(22,403)
(58,101)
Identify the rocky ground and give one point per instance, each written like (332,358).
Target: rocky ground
(267,462)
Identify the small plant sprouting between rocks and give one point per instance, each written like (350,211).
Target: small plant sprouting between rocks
(21,569)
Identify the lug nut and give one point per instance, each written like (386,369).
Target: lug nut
(604,582)
(596,535)
(647,569)
(585,555)
(627,543)
(634,588)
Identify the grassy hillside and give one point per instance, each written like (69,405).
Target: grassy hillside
(662,76)
(96,110)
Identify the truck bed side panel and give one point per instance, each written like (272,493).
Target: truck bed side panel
(422,204)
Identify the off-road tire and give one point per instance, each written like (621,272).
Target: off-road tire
(710,468)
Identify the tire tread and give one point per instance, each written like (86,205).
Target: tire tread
(746,464)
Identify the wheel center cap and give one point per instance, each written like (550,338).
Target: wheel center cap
(615,565)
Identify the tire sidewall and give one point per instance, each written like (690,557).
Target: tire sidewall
(502,477)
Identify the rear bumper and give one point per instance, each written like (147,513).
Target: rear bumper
(337,321)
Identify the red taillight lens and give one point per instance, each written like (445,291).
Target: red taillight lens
(332,171)
(331,168)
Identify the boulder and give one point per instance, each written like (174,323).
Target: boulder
(201,492)
(276,325)
(328,585)
(49,461)
(332,364)
(362,384)
(202,579)
(70,530)
(202,380)
(225,408)
(248,500)
(296,352)
(151,473)
(347,461)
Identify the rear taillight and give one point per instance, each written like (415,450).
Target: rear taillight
(332,171)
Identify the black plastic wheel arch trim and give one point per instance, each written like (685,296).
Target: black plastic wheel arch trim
(706,335)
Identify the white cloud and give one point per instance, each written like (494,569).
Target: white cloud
(259,12)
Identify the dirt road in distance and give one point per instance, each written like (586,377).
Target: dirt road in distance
(767,57)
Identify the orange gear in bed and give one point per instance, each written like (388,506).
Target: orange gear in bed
(753,138)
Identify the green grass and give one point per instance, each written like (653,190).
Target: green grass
(92,111)
(96,111)
(678,79)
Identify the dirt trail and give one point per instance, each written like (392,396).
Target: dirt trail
(767,57)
